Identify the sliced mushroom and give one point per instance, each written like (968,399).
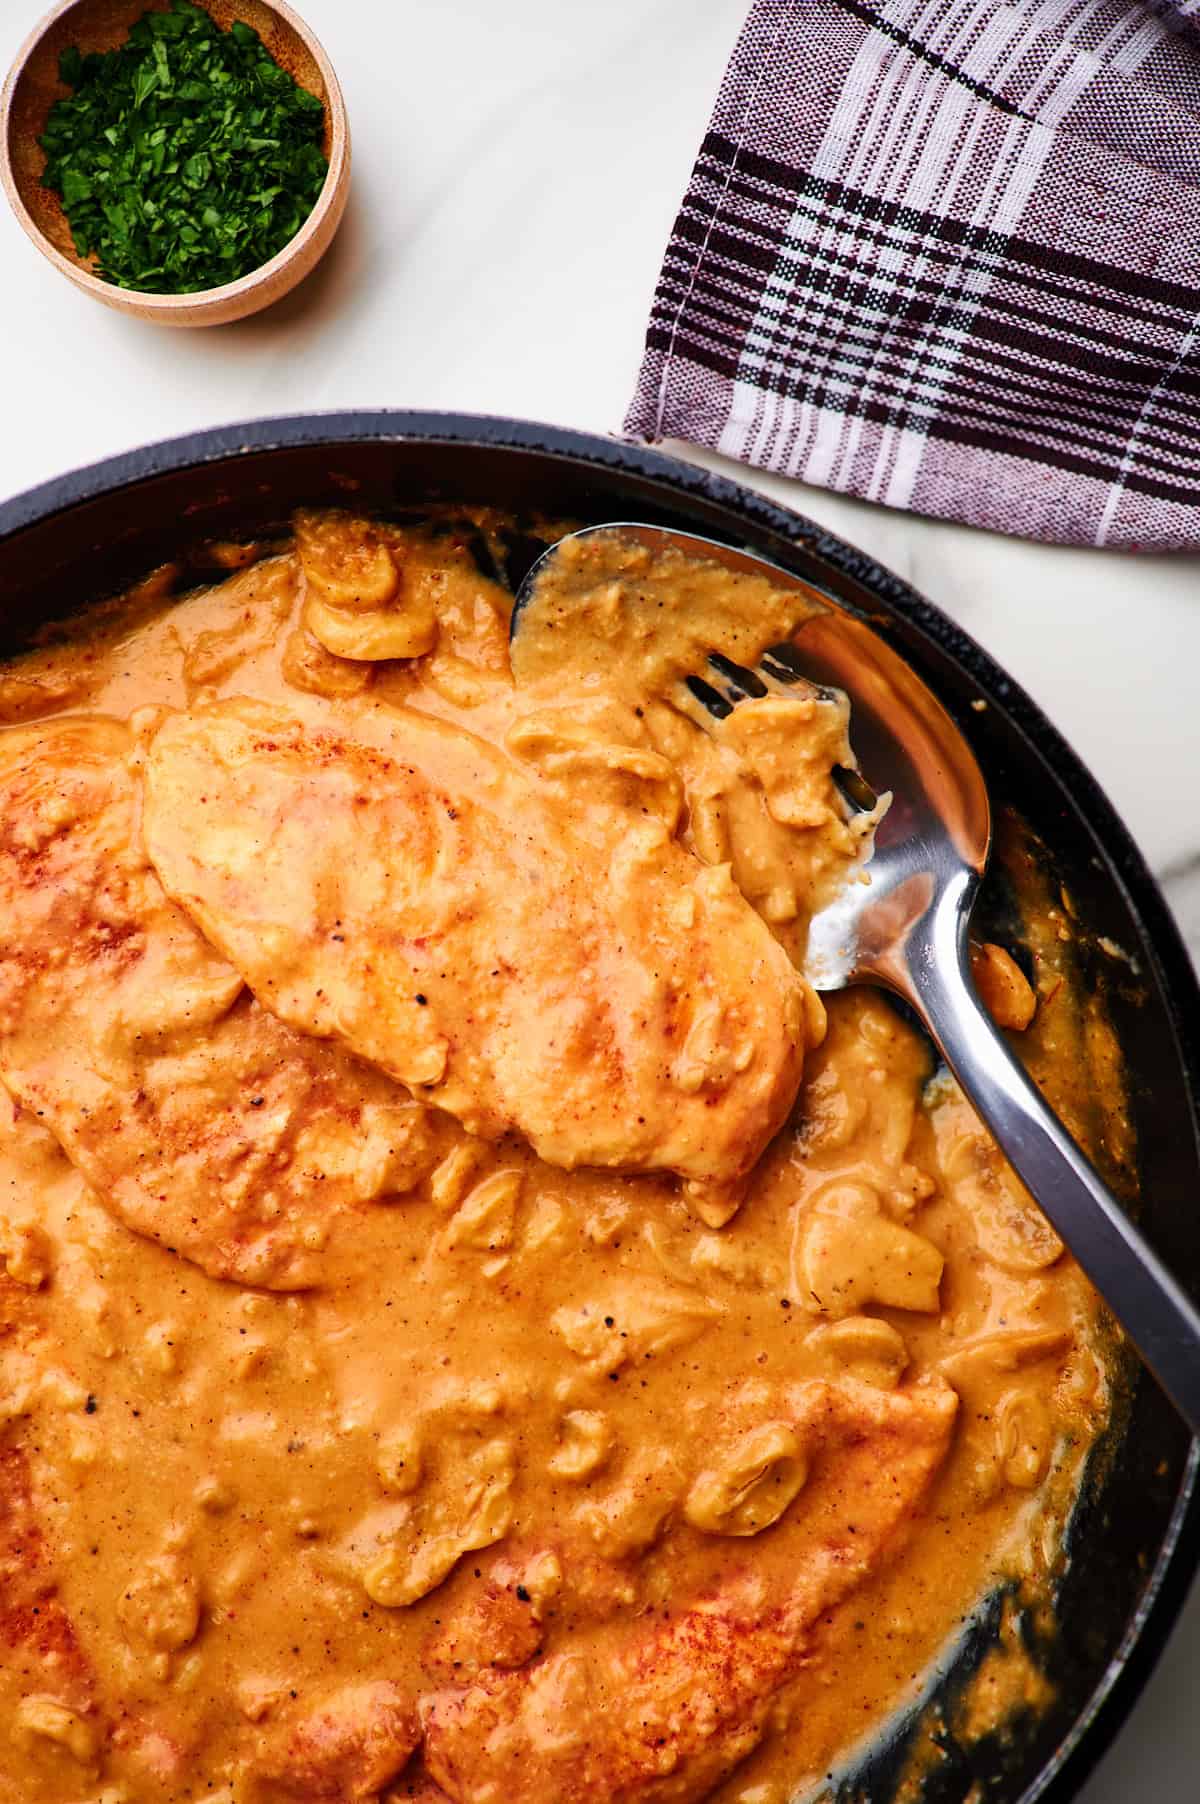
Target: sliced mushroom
(847,1263)
(1004,990)
(752,1485)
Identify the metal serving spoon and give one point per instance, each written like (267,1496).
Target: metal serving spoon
(907,929)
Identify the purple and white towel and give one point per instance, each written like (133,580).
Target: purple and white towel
(947,257)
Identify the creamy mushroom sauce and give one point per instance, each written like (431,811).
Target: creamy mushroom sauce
(503,1479)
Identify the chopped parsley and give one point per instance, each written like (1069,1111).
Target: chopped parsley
(186,157)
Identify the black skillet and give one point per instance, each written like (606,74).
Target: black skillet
(1135,1542)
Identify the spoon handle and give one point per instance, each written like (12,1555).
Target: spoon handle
(1157,1315)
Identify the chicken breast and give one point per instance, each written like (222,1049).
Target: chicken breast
(60,1726)
(662,1717)
(343,1750)
(201,1120)
(569,973)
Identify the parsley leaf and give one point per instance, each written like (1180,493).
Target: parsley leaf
(186,157)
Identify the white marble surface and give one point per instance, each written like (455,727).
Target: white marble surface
(517,171)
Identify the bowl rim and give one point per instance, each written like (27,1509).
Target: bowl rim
(200,299)
(1178,1557)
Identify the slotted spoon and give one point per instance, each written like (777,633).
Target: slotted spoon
(907,929)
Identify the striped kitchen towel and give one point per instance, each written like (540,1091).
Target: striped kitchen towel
(947,256)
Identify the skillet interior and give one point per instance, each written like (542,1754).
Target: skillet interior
(1136,1540)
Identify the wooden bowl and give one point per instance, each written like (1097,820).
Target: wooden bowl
(32,88)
